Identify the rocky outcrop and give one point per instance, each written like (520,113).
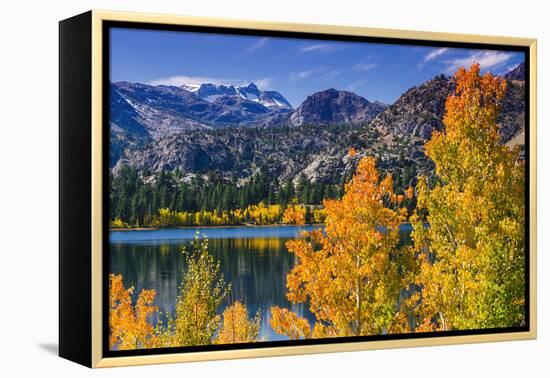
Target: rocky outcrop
(323,168)
(418,111)
(517,73)
(511,119)
(181,152)
(334,106)
(239,152)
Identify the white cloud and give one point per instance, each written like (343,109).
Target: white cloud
(264,84)
(486,60)
(511,67)
(318,74)
(505,70)
(190,80)
(355,85)
(303,74)
(257,45)
(434,54)
(364,66)
(316,47)
(329,75)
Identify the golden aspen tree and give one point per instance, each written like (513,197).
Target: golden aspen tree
(351,273)
(237,327)
(202,292)
(469,228)
(286,322)
(130,326)
(294,214)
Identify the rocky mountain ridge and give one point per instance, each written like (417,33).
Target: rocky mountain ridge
(517,73)
(334,106)
(211,92)
(420,110)
(310,141)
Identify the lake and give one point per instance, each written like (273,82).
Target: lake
(253,259)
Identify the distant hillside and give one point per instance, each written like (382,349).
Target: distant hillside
(517,73)
(334,106)
(420,109)
(211,92)
(168,109)
(234,131)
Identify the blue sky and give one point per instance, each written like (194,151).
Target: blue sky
(294,67)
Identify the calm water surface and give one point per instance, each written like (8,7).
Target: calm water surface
(253,259)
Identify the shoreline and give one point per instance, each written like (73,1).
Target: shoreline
(220,226)
(406,224)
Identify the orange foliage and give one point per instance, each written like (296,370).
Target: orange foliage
(129,326)
(287,323)
(472,257)
(470,126)
(236,327)
(348,274)
(295,214)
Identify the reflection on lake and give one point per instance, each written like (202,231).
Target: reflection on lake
(253,259)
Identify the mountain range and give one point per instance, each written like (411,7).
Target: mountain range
(211,92)
(235,130)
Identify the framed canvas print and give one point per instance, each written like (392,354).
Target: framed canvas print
(236,189)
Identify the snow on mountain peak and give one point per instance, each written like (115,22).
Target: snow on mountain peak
(211,92)
(191,87)
(251,87)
